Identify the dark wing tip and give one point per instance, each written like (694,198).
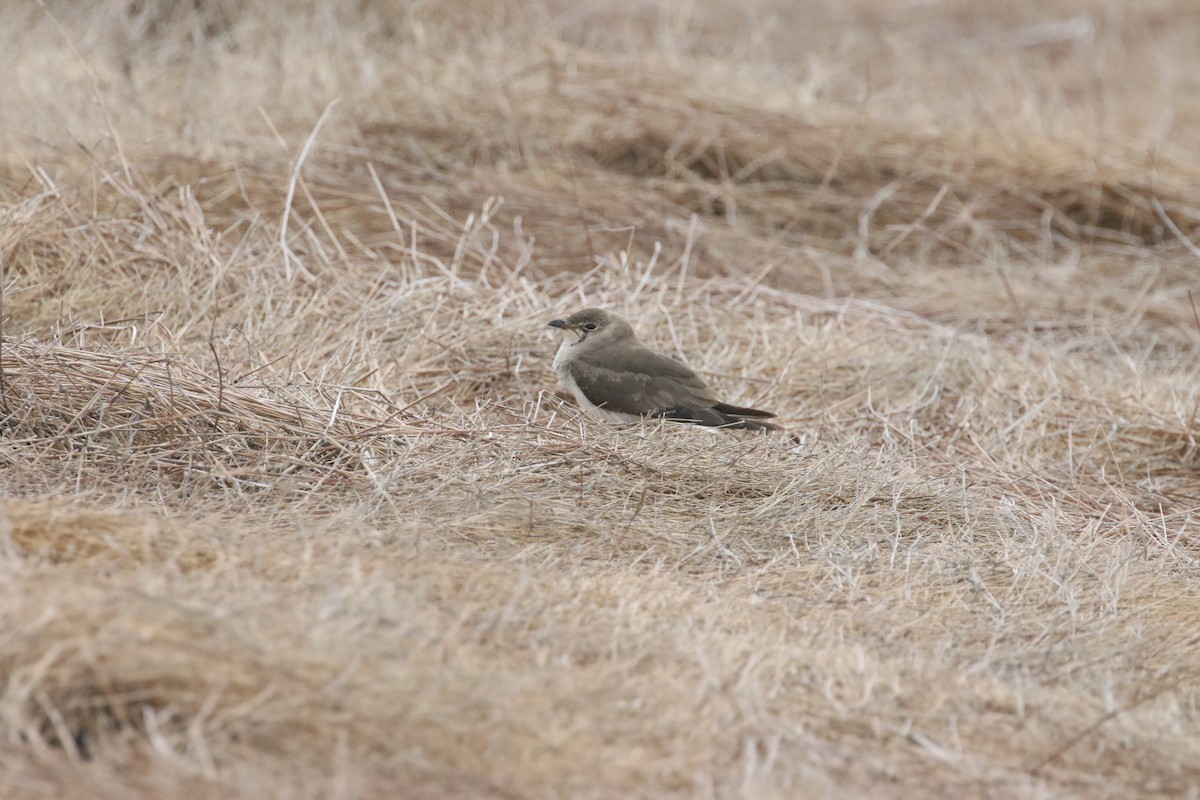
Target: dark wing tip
(711,418)
(738,411)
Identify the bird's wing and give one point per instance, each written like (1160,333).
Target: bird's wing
(644,383)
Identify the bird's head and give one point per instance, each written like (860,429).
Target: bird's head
(593,325)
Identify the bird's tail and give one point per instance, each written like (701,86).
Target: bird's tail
(738,411)
(719,416)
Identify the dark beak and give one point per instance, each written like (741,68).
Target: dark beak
(557,323)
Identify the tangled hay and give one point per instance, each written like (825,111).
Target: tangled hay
(292,506)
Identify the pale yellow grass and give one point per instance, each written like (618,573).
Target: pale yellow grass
(292,510)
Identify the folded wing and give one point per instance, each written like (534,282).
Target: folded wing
(654,385)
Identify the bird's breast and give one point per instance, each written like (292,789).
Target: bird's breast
(562,357)
(562,368)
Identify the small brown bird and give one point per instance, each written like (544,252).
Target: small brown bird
(615,378)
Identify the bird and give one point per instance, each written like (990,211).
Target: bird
(614,377)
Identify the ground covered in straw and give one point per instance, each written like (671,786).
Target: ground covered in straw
(292,508)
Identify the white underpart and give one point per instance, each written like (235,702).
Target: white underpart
(567,382)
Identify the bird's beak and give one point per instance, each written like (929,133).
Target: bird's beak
(557,323)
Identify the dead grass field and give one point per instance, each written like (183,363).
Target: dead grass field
(291,508)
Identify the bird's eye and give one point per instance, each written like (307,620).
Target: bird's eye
(589,326)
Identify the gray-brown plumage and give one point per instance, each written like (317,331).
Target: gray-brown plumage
(614,377)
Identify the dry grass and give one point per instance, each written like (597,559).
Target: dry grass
(292,510)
